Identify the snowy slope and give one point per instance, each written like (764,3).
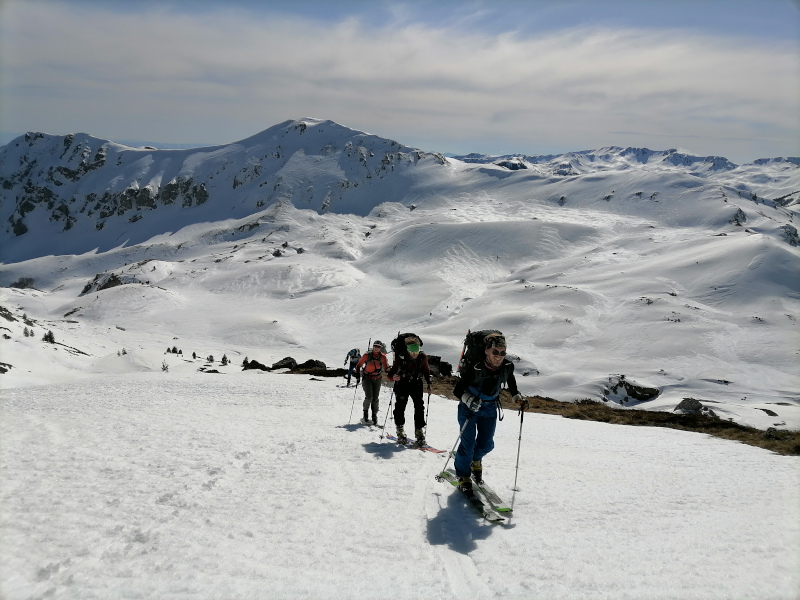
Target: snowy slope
(679,274)
(253,485)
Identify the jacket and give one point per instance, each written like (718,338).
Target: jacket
(484,382)
(373,366)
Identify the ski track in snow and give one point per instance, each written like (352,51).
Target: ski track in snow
(243,485)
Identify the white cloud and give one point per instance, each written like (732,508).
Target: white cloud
(221,76)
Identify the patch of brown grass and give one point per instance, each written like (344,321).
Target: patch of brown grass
(778,441)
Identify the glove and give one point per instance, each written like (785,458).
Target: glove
(472,402)
(517,398)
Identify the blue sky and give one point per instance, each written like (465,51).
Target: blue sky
(537,77)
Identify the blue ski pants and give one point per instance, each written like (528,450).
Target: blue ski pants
(478,437)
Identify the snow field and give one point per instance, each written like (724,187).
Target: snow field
(242,485)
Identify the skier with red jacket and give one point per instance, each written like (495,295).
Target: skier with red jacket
(372,366)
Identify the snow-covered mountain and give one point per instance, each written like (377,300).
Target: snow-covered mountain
(679,273)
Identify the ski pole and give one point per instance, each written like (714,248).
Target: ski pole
(427,412)
(355,391)
(522,408)
(388,410)
(439,477)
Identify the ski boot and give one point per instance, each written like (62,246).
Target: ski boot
(365,420)
(402,438)
(420,434)
(465,486)
(477,471)
(374,419)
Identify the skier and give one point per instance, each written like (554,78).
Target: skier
(372,365)
(479,391)
(353,357)
(408,372)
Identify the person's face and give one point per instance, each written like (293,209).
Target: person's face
(376,350)
(495,356)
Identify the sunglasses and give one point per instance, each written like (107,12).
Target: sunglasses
(498,352)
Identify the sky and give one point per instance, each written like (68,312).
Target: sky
(714,77)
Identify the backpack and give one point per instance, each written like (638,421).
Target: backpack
(474,347)
(399,345)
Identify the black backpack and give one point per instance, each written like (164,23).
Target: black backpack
(474,347)
(399,345)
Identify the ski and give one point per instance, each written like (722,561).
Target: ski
(413,444)
(486,510)
(497,503)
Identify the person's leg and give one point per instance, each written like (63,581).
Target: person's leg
(466,446)
(367,387)
(419,406)
(399,412)
(486,425)
(376,391)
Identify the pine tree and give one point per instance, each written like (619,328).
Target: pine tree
(25,332)
(49,337)
(224,360)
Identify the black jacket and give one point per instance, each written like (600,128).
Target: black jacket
(481,380)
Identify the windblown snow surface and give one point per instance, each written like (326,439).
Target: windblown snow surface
(127,472)
(254,485)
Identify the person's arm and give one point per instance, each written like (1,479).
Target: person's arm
(426,370)
(361,362)
(464,381)
(511,382)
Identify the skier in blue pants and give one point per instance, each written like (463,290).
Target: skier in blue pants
(479,391)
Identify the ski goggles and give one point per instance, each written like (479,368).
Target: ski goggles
(413,348)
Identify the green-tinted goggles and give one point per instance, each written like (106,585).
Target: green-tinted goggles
(413,348)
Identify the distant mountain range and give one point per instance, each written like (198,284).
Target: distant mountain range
(82,192)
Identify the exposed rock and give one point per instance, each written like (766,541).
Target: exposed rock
(439,367)
(693,406)
(619,389)
(312,364)
(254,364)
(286,363)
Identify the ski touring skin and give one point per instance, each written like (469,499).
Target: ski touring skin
(413,444)
(476,499)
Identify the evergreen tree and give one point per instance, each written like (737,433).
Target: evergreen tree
(224,360)
(49,337)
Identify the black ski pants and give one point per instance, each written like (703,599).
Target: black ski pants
(404,389)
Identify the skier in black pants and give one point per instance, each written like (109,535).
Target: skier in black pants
(479,391)
(408,374)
